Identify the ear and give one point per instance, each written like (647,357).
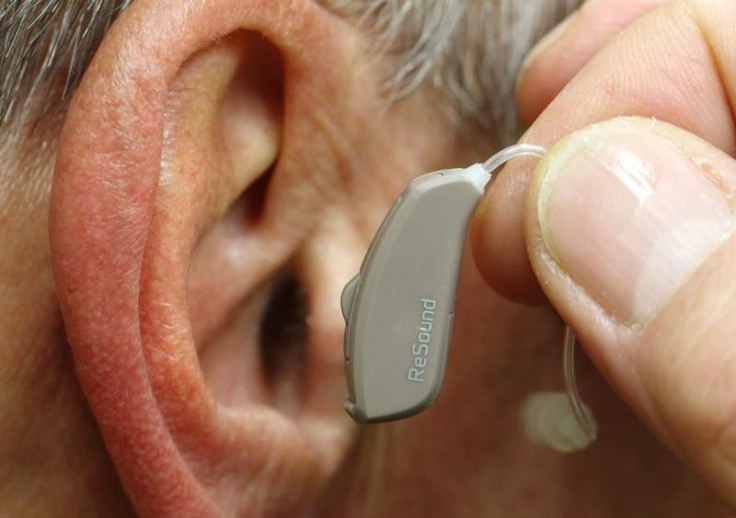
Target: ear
(199,157)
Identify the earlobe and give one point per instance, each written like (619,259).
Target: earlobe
(182,112)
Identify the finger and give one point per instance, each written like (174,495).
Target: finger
(631,232)
(563,52)
(675,64)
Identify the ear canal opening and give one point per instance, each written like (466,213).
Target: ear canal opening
(283,341)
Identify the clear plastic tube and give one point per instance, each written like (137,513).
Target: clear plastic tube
(583,416)
(510,153)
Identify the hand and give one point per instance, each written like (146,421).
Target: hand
(627,225)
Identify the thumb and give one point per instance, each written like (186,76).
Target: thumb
(629,227)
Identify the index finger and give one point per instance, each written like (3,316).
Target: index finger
(675,64)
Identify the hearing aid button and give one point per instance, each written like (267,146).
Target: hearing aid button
(348,296)
(353,411)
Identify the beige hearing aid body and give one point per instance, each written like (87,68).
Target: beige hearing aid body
(399,310)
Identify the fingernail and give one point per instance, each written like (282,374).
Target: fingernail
(630,219)
(551,38)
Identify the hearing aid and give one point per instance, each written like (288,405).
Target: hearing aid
(399,309)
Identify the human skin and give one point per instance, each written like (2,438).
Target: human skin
(653,309)
(163,280)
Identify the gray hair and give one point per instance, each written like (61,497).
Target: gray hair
(44,43)
(468,50)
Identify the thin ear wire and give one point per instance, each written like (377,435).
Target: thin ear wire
(583,416)
(510,153)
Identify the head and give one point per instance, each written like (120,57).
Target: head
(186,187)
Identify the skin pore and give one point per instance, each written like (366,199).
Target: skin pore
(256,159)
